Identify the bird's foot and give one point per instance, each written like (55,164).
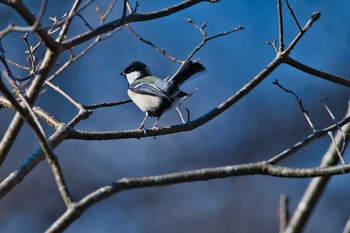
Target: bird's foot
(155,126)
(143,128)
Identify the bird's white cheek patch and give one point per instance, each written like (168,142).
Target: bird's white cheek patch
(131,77)
(145,102)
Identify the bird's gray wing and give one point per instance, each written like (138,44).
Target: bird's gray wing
(148,89)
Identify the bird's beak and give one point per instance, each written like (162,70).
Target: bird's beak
(122,74)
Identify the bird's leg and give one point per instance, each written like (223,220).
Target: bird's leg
(183,100)
(142,126)
(155,126)
(180,114)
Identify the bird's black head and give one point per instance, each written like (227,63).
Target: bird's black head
(138,67)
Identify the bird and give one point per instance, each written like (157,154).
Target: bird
(154,95)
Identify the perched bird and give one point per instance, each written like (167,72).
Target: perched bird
(153,95)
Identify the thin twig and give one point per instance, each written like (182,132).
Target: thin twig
(69,19)
(205,38)
(314,17)
(339,153)
(4,62)
(73,58)
(300,103)
(293,15)
(65,95)
(106,104)
(86,23)
(18,65)
(273,44)
(108,11)
(342,147)
(30,54)
(161,50)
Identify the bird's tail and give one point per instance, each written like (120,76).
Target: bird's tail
(187,69)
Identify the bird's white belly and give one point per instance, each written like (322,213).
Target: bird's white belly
(145,102)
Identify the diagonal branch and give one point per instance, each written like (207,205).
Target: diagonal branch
(70,17)
(308,140)
(317,73)
(134,17)
(30,19)
(314,17)
(32,93)
(300,103)
(317,185)
(293,15)
(161,50)
(28,114)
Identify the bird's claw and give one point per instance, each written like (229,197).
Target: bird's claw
(143,128)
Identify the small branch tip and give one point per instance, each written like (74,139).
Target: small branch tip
(316,15)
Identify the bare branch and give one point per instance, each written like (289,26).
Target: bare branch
(342,148)
(134,17)
(317,73)
(273,44)
(50,156)
(314,17)
(108,11)
(85,22)
(347,226)
(307,140)
(108,104)
(30,54)
(32,28)
(62,131)
(261,168)
(280,26)
(65,95)
(47,117)
(27,113)
(32,93)
(337,148)
(33,160)
(317,185)
(70,16)
(31,20)
(283,212)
